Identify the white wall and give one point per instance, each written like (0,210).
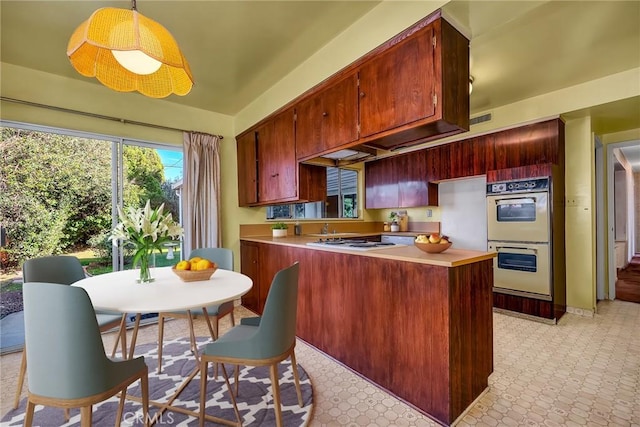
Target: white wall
(464,213)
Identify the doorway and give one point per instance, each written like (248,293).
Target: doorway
(620,200)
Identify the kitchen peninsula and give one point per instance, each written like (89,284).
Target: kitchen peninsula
(417,324)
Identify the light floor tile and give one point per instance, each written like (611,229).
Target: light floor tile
(582,371)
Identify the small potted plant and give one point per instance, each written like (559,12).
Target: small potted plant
(279,229)
(393,216)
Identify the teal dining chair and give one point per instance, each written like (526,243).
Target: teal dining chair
(259,341)
(224,259)
(65,270)
(67,366)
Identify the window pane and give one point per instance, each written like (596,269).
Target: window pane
(341,201)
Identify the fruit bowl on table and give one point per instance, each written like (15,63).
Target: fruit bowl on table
(194,275)
(432,248)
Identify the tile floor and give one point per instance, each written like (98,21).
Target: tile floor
(583,371)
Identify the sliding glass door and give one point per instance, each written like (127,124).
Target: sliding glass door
(61,190)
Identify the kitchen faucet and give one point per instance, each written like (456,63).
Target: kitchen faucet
(325,228)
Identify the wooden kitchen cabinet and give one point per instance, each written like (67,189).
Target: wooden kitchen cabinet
(537,143)
(247,169)
(417,89)
(397,87)
(413,188)
(268,171)
(328,119)
(381,184)
(399,182)
(470,157)
(277,164)
(522,152)
(250,266)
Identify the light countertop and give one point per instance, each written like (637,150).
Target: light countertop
(450,258)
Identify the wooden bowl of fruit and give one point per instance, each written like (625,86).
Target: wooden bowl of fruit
(432,243)
(195,269)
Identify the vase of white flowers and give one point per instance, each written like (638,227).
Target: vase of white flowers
(147,230)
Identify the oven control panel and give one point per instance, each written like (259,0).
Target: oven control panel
(519,186)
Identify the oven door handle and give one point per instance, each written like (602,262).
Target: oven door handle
(515,200)
(535,251)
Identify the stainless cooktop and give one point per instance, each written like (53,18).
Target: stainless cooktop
(353,244)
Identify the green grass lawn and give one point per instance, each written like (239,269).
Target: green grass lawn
(96,266)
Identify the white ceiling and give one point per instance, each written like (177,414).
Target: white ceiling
(238,49)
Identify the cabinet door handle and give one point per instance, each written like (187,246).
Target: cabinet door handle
(274,175)
(325,114)
(361,94)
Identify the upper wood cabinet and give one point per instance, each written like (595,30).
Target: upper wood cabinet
(268,171)
(417,89)
(381,183)
(413,189)
(397,87)
(327,120)
(399,182)
(247,169)
(277,163)
(537,143)
(409,180)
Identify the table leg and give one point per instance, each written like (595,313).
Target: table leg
(192,336)
(134,337)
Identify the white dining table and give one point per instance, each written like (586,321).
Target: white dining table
(119,291)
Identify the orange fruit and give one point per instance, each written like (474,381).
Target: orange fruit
(183,265)
(204,264)
(195,259)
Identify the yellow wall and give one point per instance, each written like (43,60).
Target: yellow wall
(580,216)
(89,96)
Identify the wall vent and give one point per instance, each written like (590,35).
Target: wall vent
(480,119)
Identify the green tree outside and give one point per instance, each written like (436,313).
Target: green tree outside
(55,191)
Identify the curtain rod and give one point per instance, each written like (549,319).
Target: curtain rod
(93,115)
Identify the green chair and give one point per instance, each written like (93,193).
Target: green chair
(65,270)
(212,314)
(259,341)
(67,365)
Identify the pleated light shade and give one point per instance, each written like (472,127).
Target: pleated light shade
(108,29)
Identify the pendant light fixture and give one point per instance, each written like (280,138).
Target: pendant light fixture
(127,51)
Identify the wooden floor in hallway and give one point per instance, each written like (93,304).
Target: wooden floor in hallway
(628,283)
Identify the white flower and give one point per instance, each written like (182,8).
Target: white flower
(145,228)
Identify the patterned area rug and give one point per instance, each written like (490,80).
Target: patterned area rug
(255,400)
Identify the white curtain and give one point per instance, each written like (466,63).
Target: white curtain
(201,192)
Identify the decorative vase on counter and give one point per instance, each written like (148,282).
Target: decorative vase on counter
(395,227)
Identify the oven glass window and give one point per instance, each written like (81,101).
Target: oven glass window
(516,211)
(518,262)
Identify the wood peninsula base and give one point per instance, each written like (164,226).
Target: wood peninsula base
(423,332)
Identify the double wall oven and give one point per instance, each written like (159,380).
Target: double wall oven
(519,231)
